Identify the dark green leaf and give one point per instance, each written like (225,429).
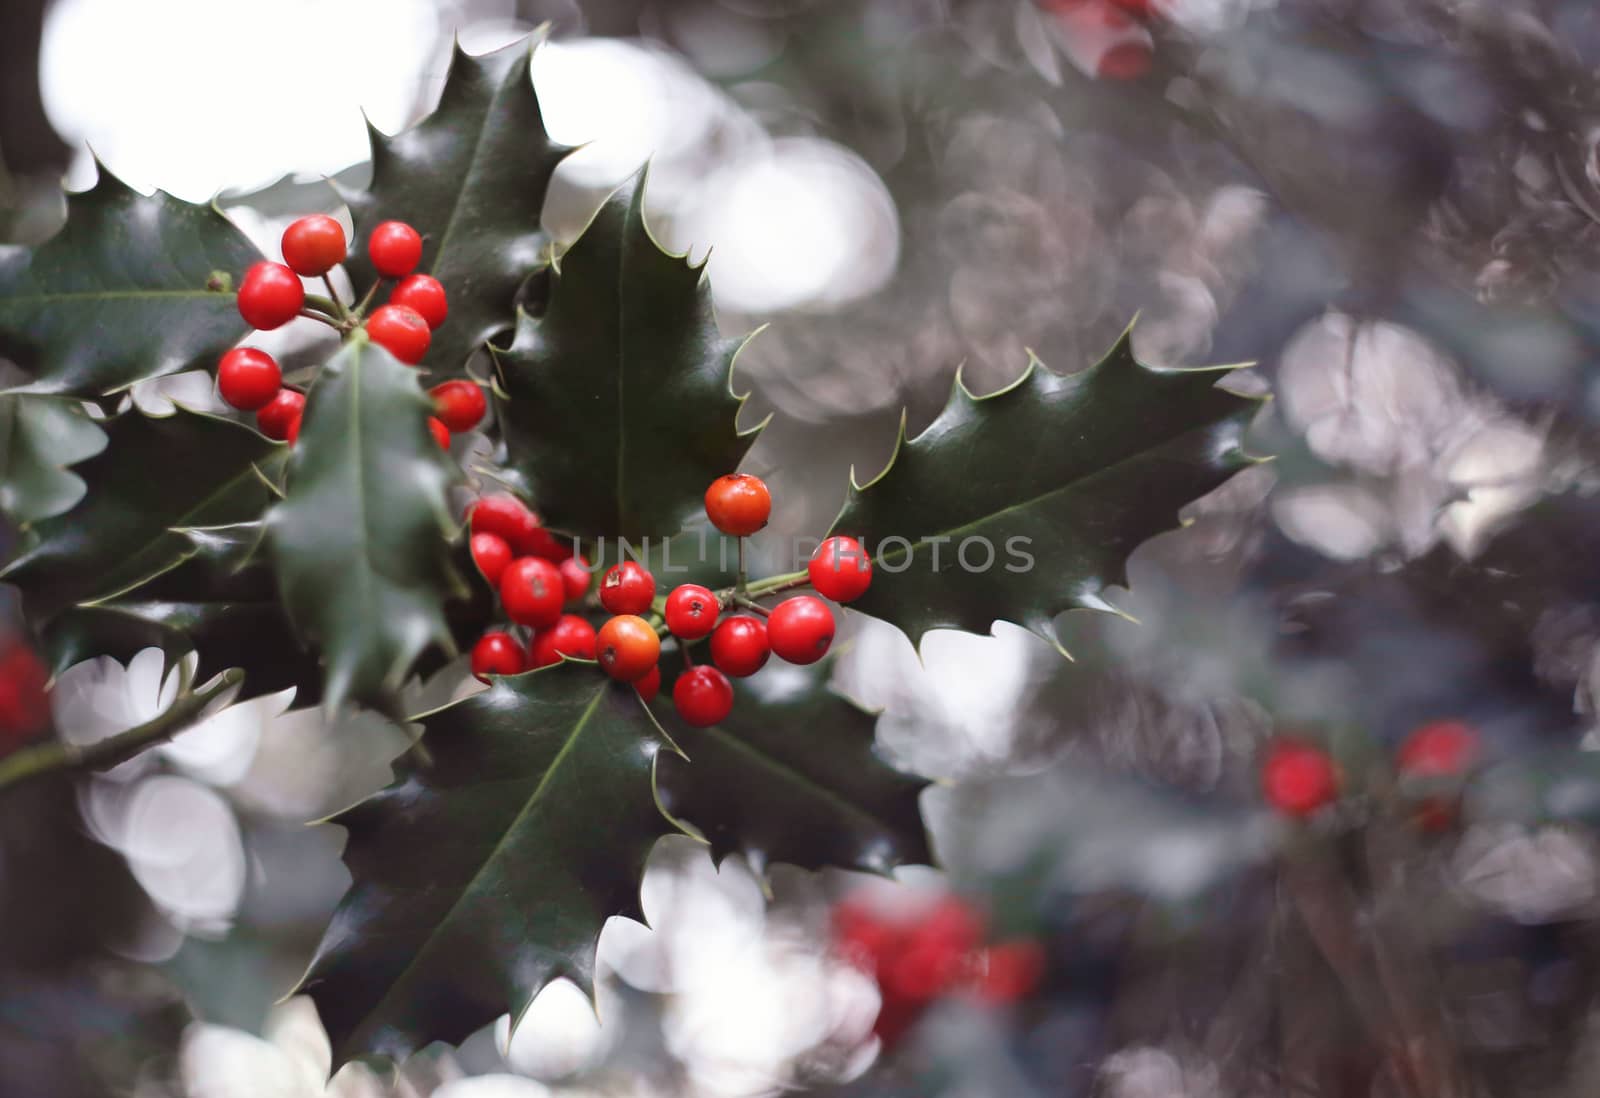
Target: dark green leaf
(131,288)
(39,438)
(219,601)
(792,776)
(155,474)
(1054,481)
(32,209)
(618,409)
(361,543)
(471,177)
(485,874)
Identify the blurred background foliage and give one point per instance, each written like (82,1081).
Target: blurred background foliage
(1391,206)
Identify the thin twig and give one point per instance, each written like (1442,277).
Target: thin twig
(333,296)
(104,754)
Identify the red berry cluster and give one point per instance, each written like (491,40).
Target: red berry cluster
(628,646)
(537,576)
(1299,778)
(272,294)
(918,957)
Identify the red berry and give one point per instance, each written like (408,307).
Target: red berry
(862,937)
(575,574)
(703,696)
(24,699)
(1140,9)
(270,296)
(570,636)
(649,686)
(922,972)
(691,611)
(739,646)
(1125,61)
(542,543)
(800,629)
(1008,972)
(491,554)
(1436,815)
(460,404)
(400,331)
(395,249)
(628,648)
(627,588)
(441,433)
(279,420)
(248,379)
(531,592)
(505,516)
(496,653)
(425,294)
(1298,778)
(840,570)
(314,245)
(1441,749)
(738,504)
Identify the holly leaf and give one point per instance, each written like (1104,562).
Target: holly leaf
(132,287)
(219,601)
(1027,502)
(485,874)
(471,177)
(40,437)
(361,541)
(154,476)
(792,776)
(616,407)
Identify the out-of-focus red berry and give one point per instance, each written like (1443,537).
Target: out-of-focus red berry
(1007,972)
(1298,778)
(1440,749)
(24,701)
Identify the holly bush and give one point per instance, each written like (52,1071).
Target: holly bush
(338,536)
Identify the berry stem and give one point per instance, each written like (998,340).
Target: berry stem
(742,583)
(312,314)
(327,305)
(751,605)
(773,584)
(104,754)
(366,299)
(688,660)
(333,297)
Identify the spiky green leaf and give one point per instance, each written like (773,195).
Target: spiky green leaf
(617,407)
(471,177)
(132,287)
(482,875)
(1027,502)
(40,438)
(155,475)
(792,776)
(361,541)
(219,601)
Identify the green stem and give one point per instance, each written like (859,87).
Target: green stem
(333,297)
(366,299)
(312,314)
(115,750)
(751,604)
(742,582)
(773,584)
(325,305)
